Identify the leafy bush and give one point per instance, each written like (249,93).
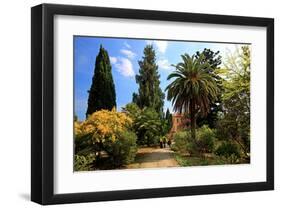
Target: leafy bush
(147,124)
(205,139)
(132,110)
(182,142)
(228,149)
(123,150)
(83,163)
(148,127)
(229,129)
(104,125)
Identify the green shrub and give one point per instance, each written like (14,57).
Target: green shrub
(205,139)
(228,149)
(147,124)
(181,142)
(83,163)
(232,128)
(123,150)
(132,110)
(148,127)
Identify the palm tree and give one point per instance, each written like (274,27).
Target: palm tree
(193,88)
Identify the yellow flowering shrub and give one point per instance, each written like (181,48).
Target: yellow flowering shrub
(103,125)
(104,132)
(77,128)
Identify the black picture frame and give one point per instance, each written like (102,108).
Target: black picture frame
(42,103)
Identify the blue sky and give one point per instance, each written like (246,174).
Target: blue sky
(124,55)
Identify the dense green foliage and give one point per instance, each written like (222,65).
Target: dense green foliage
(214,60)
(149,92)
(169,120)
(193,88)
(227,149)
(205,139)
(102,92)
(235,121)
(147,124)
(123,150)
(181,142)
(132,110)
(83,163)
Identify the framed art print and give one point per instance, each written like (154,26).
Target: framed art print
(130,104)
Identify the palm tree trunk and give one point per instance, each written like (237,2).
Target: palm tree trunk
(193,128)
(193,121)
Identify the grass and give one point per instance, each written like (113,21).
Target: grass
(198,161)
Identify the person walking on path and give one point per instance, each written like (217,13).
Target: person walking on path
(169,142)
(161,142)
(164,141)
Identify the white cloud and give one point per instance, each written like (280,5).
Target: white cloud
(164,64)
(128,53)
(124,66)
(113,60)
(160,45)
(127,45)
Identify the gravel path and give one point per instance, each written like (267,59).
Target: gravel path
(150,157)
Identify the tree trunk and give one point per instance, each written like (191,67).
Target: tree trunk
(193,121)
(193,128)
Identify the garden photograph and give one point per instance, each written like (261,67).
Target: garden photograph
(144,103)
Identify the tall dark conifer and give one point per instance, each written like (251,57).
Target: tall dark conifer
(169,119)
(149,92)
(102,92)
(214,60)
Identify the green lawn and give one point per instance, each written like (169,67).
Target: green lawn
(199,161)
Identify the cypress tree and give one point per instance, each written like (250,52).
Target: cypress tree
(169,119)
(149,92)
(102,92)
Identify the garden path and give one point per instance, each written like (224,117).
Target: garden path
(151,157)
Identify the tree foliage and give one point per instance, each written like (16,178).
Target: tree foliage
(169,120)
(235,121)
(227,149)
(146,124)
(148,127)
(206,139)
(149,92)
(132,110)
(102,92)
(214,60)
